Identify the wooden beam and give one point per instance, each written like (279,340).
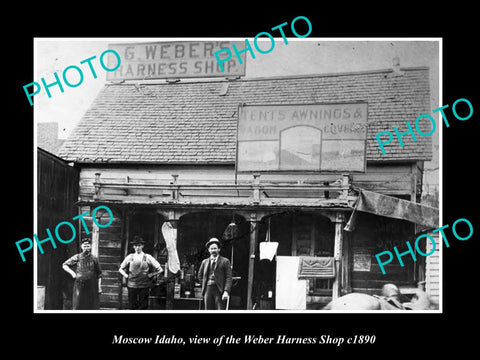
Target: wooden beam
(174,187)
(156,234)
(345,185)
(95,237)
(345,283)
(256,188)
(251,258)
(122,245)
(337,253)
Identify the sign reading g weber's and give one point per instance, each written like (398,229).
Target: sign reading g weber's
(313,137)
(184,59)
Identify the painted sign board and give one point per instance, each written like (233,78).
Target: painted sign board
(305,137)
(181,59)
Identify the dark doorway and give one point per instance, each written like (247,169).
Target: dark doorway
(195,229)
(297,234)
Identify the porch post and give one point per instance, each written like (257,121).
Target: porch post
(345,282)
(95,237)
(251,258)
(337,253)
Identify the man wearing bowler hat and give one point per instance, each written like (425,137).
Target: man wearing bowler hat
(215,275)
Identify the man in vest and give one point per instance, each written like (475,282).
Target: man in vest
(141,268)
(215,275)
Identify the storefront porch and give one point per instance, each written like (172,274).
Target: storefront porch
(306,220)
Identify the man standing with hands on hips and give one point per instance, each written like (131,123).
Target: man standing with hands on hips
(141,268)
(88,277)
(215,275)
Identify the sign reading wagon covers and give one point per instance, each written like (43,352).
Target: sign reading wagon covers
(315,137)
(184,59)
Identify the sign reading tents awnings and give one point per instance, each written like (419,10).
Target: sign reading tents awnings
(392,207)
(304,137)
(180,59)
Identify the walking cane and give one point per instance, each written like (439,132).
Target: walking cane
(228,298)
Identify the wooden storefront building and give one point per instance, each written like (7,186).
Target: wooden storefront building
(159,152)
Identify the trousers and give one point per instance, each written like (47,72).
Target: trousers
(213,298)
(138,298)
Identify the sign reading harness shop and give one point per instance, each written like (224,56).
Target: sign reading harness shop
(184,59)
(314,137)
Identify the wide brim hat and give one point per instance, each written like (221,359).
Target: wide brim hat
(212,241)
(138,241)
(86,240)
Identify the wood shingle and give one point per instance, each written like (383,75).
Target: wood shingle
(196,121)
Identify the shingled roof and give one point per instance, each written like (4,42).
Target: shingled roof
(196,121)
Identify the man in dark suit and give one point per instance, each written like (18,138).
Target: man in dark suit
(215,275)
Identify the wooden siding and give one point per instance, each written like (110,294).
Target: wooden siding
(110,254)
(57,190)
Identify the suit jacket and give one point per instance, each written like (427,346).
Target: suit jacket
(223,274)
